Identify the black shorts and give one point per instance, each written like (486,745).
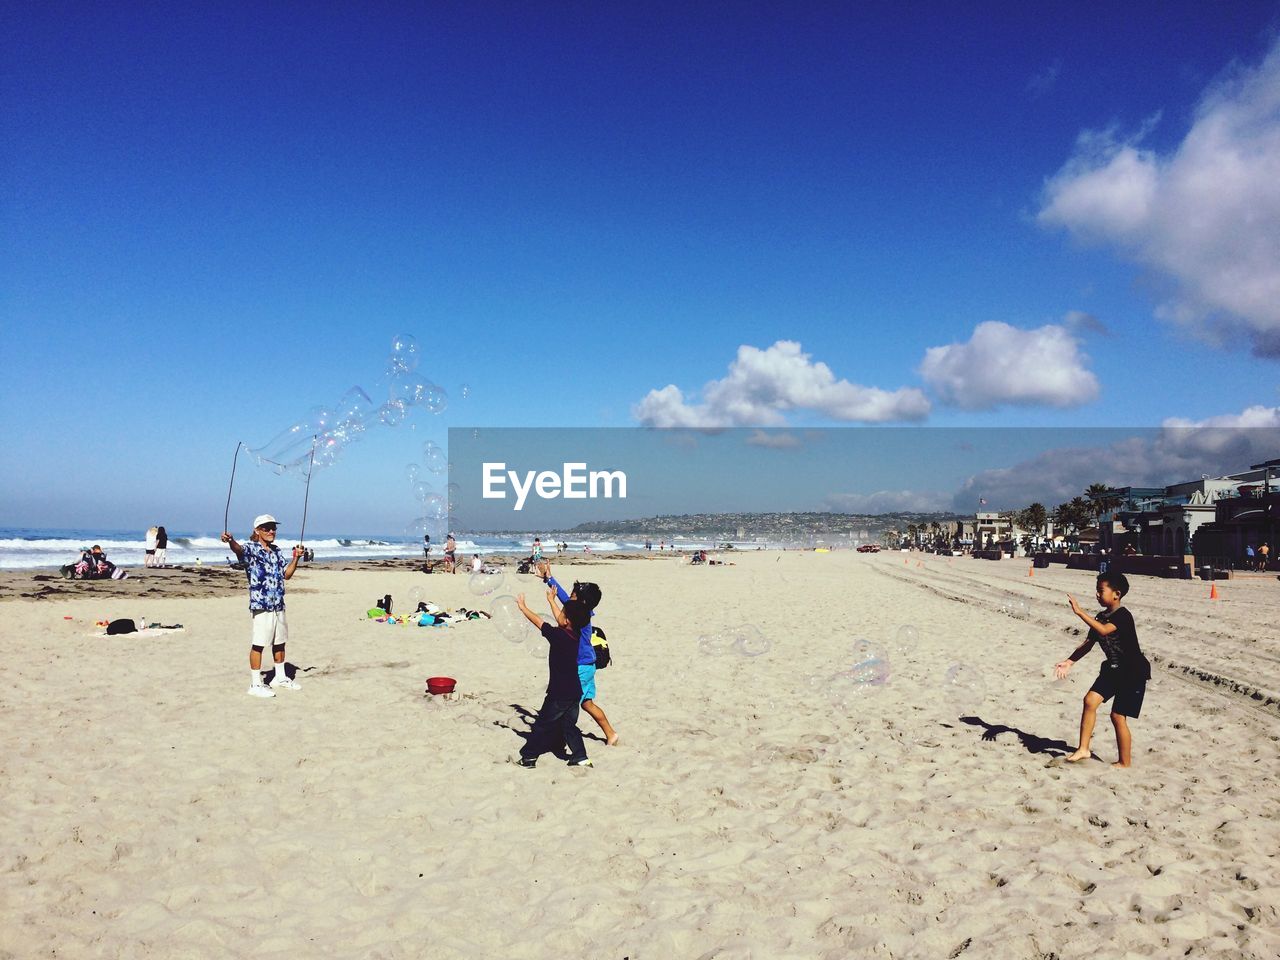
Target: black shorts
(1127,691)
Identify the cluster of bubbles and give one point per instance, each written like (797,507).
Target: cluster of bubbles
(1016,607)
(512,625)
(744,640)
(331,429)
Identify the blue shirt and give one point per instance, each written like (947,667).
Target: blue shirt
(586,652)
(264,566)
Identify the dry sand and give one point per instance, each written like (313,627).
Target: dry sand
(152,809)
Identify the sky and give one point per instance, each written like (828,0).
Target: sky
(1053,215)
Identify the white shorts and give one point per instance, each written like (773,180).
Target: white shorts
(270,628)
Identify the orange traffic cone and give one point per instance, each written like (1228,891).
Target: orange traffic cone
(1213,591)
(1031,570)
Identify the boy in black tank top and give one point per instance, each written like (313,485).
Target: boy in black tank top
(1124,673)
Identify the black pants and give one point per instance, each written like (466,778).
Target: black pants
(556,718)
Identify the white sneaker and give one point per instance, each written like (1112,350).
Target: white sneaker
(259,690)
(286,682)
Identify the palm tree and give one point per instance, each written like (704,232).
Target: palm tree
(1103,498)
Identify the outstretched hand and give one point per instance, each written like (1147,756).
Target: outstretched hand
(1075,605)
(1060,670)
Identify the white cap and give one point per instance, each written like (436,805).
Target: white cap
(264,518)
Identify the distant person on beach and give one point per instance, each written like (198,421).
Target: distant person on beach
(426,546)
(162,545)
(149,559)
(537,549)
(267,570)
(589,594)
(1264,554)
(450,549)
(558,715)
(1124,673)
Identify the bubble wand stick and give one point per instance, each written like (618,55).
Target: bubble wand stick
(307,496)
(227,513)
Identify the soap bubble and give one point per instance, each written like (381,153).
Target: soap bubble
(482,584)
(416,596)
(747,641)
(1020,609)
(964,688)
(511,623)
(434,506)
(434,457)
(907,636)
(465,391)
(713,645)
(404,352)
(408,389)
(421,490)
(392,413)
(435,399)
(452,492)
(868,671)
(412,471)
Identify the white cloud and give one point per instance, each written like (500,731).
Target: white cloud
(1205,216)
(1181,450)
(1002,364)
(762,385)
(888,501)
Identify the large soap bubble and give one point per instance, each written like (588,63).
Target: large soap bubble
(747,641)
(482,584)
(404,352)
(421,490)
(416,596)
(435,399)
(465,391)
(1016,607)
(408,389)
(434,506)
(512,625)
(412,471)
(392,413)
(867,671)
(434,458)
(964,688)
(713,645)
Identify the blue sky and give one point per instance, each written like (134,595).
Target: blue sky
(215,220)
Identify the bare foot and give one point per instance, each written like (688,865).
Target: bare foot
(1122,765)
(612,741)
(1078,756)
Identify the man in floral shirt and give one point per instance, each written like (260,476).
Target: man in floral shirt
(267,570)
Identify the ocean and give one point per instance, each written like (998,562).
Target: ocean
(27,548)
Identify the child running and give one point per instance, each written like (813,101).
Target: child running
(1124,673)
(559,712)
(267,571)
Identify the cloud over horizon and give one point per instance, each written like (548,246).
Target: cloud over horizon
(1002,365)
(1181,450)
(1204,217)
(762,385)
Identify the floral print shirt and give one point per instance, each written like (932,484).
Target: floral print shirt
(265,568)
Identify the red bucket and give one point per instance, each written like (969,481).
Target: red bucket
(441,684)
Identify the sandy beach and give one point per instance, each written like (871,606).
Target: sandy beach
(152,809)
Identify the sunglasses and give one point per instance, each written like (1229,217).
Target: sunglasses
(271,527)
